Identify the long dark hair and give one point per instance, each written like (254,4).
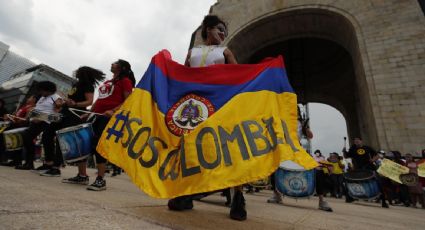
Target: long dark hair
(209,22)
(89,76)
(125,71)
(46,86)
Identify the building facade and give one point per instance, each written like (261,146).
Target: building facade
(18,76)
(366,58)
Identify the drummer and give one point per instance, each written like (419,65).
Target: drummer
(112,93)
(48,104)
(20,119)
(79,97)
(304,130)
(363,157)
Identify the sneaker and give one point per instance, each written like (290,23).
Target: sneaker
(385,205)
(276,198)
(237,209)
(84,180)
(25,167)
(12,164)
(323,205)
(180,203)
(98,185)
(43,167)
(53,172)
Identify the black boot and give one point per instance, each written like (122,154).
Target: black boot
(237,210)
(180,203)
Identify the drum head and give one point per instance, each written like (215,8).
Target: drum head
(291,166)
(358,175)
(4,123)
(73,128)
(18,130)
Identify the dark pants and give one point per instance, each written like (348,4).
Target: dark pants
(98,127)
(272,181)
(337,184)
(31,133)
(320,182)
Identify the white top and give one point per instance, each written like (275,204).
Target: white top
(47,104)
(207,55)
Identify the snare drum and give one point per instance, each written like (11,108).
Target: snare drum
(75,142)
(362,184)
(409,179)
(48,117)
(294,181)
(14,138)
(4,125)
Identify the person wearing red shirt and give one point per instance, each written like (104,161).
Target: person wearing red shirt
(112,94)
(19,119)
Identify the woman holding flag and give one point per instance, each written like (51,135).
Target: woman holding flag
(213,33)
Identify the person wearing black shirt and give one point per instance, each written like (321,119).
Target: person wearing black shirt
(79,97)
(363,158)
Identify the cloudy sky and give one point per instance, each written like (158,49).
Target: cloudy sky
(66,34)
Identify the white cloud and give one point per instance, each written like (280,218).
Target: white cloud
(329,128)
(67,34)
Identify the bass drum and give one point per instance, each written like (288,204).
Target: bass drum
(362,184)
(294,181)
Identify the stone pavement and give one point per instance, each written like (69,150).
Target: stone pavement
(30,201)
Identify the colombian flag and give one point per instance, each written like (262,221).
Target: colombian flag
(190,130)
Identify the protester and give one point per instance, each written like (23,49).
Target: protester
(79,97)
(337,174)
(112,93)
(214,31)
(19,119)
(415,191)
(364,157)
(320,177)
(47,104)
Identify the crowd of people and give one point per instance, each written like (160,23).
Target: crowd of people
(112,93)
(47,112)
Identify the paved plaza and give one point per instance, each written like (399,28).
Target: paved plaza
(30,201)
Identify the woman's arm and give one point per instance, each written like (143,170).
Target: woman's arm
(187,61)
(82,104)
(230,58)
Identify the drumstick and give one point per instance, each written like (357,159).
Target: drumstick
(10,116)
(82,111)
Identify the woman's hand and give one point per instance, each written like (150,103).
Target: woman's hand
(70,103)
(108,113)
(84,116)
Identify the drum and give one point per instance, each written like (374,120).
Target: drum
(49,117)
(409,179)
(262,183)
(294,181)
(75,142)
(362,184)
(4,125)
(13,139)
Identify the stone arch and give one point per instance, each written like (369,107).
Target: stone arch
(321,26)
